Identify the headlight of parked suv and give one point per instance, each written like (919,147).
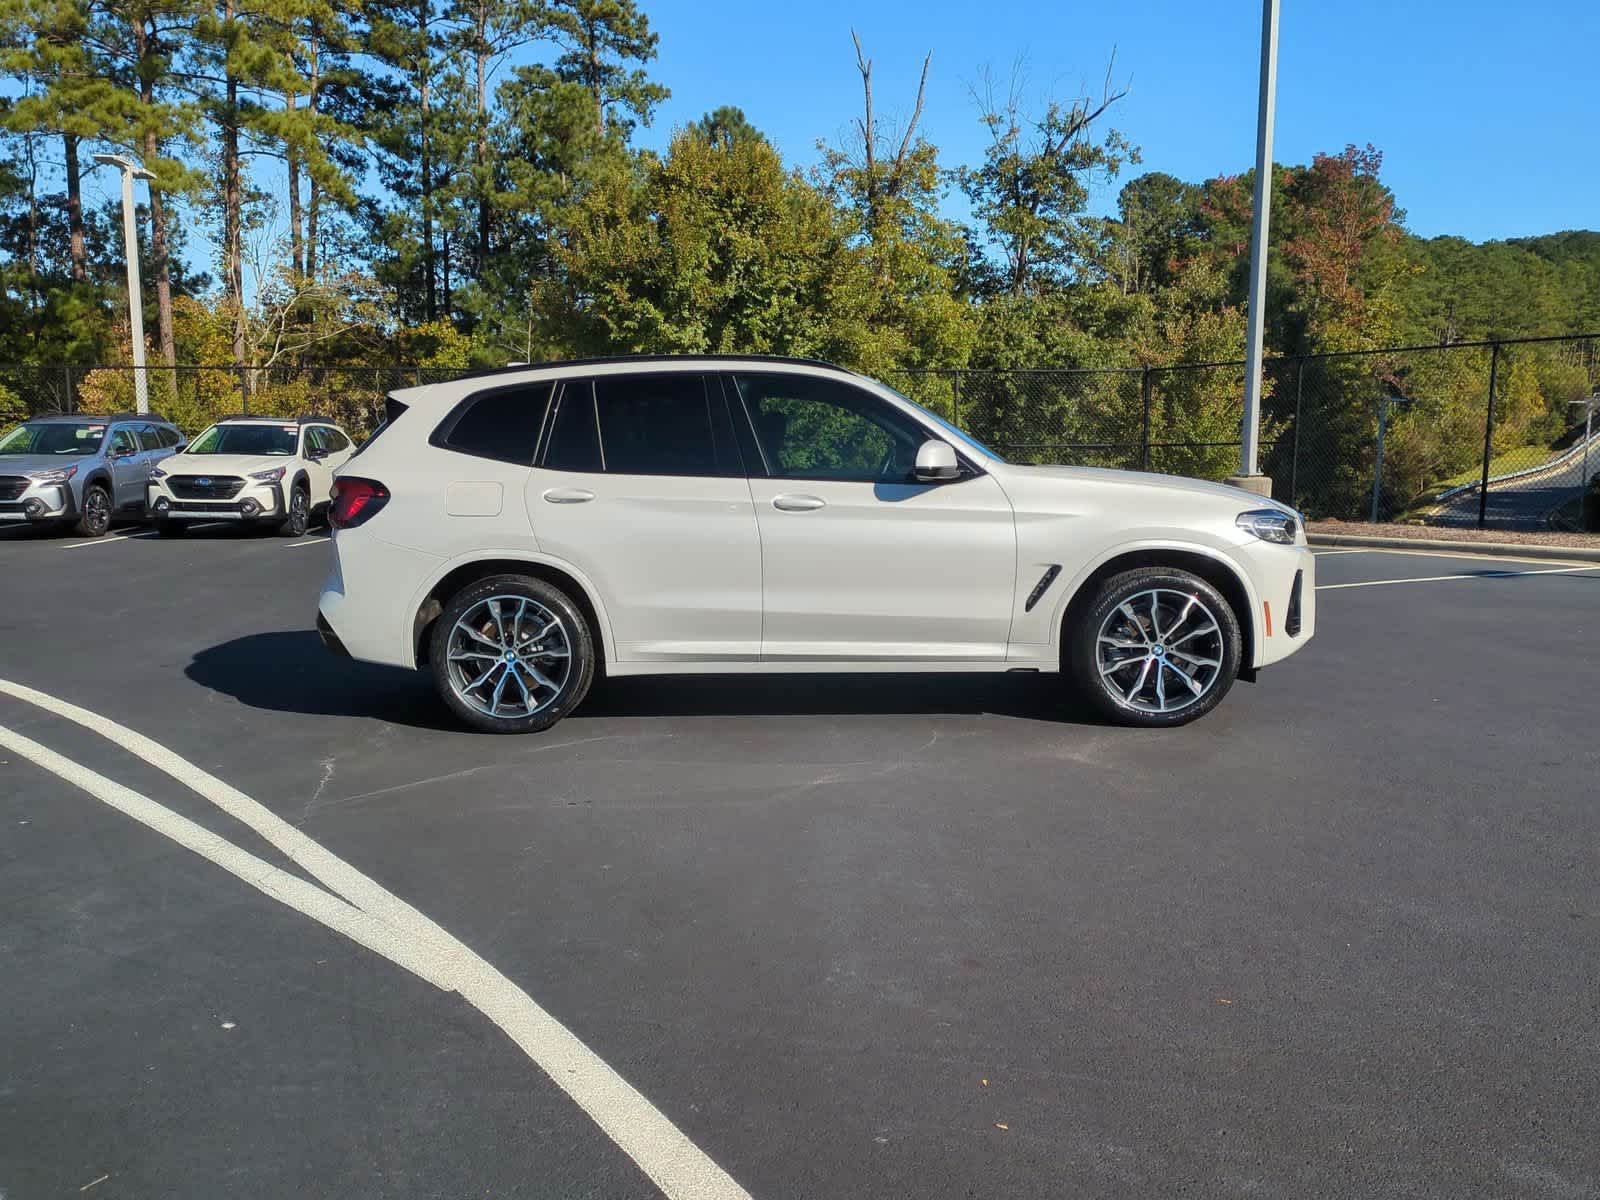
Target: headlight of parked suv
(271,476)
(58,475)
(1270,525)
(157,473)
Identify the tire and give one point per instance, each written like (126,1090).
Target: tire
(545,694)
(95,518)
(299,518)
(1121,627)
(172,529)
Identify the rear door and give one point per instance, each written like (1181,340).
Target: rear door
(129,471)
(861,561)
(641,487)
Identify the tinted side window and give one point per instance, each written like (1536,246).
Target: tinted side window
(574,438)
(662,425)
(811,428)
(122,442)
(502,424)
(169,435)
(149,438)
(336,440)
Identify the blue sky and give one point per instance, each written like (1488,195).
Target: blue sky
(1488,115)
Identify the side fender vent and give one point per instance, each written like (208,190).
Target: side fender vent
(1043,586)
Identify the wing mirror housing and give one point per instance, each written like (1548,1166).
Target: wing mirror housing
(936,462)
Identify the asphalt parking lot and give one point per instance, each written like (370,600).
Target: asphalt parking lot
(853,938)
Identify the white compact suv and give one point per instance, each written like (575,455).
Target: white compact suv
(520,531)
(266,470)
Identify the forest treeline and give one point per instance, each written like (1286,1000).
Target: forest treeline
(449,183)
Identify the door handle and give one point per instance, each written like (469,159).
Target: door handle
(798,503)
(569,495)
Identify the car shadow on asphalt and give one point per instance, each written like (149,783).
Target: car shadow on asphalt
(290,671)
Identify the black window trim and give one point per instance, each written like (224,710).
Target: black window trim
(442,431)
(969,468)
(563,390)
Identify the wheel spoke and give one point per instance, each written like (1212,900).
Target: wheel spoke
(476,636)
(500,625)
(1194,685)
(1121,643)
(484,678)
(1144,673)
(1112,668)
(527,696)
(494,703)
(540,677)
(464,655)
(1161,687)
(1193,661)
(1155,616)
(1212,628)
(1133,619)
(516,622)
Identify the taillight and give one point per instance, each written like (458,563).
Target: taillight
(355,502)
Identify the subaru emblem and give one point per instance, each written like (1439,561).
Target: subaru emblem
(203,481)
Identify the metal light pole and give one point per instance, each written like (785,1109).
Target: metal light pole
(130,249)
(1249,467)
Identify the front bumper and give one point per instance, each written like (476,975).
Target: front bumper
(1285,579)
(254,502)
(40,504)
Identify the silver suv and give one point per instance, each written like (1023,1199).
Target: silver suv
(81,470)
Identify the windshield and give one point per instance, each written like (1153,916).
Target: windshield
(961,436)
(54,437)
(246,439)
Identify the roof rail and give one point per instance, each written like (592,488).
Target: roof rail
(606,359)
(303,419)
(58,415)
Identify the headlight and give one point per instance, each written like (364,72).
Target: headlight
(59,475)
(271,476)
(157,473)
(1270,525)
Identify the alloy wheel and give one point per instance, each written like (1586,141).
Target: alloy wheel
(508,657)
(1160,650)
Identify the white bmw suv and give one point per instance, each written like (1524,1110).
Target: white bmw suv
(262,470)
(522,530)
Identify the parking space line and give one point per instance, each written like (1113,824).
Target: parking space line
(310,541)
(1331,553)
(1333,587)
(374,917)
(107,539)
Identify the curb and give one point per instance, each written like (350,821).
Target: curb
(1492,549)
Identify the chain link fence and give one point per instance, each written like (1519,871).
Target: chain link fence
(1494,434)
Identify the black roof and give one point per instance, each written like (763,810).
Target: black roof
(303,419)
(108,418)
(645,359)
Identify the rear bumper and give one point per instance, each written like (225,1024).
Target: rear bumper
(367,602)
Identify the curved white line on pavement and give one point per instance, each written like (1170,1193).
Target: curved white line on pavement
(387,925)
(263,876)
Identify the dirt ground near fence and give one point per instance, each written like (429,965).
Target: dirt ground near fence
(1445,533)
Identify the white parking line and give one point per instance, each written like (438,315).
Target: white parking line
(373,917)
(1333,587)
(1331,553)
(310,541)
(107,539)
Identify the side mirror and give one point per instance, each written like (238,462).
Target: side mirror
(936,462)
(179,447)
(316,455)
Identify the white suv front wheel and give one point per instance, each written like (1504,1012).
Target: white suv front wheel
(1157,647)
(511,654)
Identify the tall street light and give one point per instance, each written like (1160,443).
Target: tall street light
(130,249)
(1250,477)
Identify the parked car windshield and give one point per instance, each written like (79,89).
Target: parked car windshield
(54,437)
(246,439)
(960,435)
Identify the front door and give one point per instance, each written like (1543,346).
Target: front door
(861,562)
(642,488)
